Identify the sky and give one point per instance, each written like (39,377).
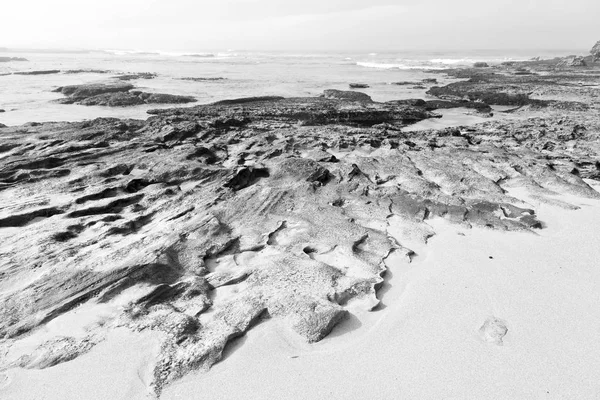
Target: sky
(306,25)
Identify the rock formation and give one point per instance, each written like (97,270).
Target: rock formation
(596,51)
(572,61)
(116,95)
(286,202)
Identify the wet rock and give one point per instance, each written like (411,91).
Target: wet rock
(87,71)
(116,95)
(358,86)
(118,99)
(93,89)
(139,75)
(41,72)
(346,95)
(480,65)
(207,79)
(161,98)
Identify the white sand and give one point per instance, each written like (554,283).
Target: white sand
(423,343)
(116,369)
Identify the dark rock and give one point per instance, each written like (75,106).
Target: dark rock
(116,95)
(429,80)
(244,100)
(346,95)
(93,89)
(203,79)
(117,99)
(87,71)
(404,83)
(156,98)
(44,72)
(410,102)
(358,86)
(444,104)
(1,110)
(480,65)
(140,75)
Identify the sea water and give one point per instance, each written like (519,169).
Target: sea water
(27,98)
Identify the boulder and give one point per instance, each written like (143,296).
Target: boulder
(481,65)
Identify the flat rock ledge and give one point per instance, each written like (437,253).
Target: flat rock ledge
(117,94)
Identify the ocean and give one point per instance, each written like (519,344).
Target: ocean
(27,98)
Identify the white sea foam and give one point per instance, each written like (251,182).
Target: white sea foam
(396,65)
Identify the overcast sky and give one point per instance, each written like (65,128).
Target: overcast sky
(361,25)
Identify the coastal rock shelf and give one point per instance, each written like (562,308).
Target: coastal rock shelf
(199,222)
(116,95)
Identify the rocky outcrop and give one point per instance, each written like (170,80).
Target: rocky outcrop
(93,89)
(346,95)
(116,95)
(480,65)
(281,206)
(572,61)
(501,85)
(595,51)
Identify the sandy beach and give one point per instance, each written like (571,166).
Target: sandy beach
(425,343)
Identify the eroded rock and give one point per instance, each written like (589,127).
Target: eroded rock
(282,206)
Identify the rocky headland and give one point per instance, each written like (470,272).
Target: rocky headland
(288,202)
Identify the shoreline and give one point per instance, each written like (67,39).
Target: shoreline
(277,219)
